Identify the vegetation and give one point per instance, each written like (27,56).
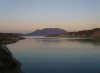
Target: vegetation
(6,38)
(8,64)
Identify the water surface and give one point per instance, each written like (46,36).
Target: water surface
(57,55)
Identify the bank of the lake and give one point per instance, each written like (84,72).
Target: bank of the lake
(8,63)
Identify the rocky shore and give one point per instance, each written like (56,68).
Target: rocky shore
(7,38)
(8,64)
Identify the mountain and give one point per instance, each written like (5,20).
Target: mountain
(93,33)
(47,31)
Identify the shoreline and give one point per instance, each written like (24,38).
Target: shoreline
(8,63)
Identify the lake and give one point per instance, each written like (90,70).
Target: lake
(57,55)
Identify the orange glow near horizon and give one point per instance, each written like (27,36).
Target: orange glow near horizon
(23,16)
(25,27)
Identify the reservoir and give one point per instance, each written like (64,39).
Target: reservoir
(57,55)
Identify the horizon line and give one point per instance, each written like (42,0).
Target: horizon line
(52,28)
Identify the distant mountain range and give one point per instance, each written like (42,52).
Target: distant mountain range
(94,33)
(47,31)
(57,32)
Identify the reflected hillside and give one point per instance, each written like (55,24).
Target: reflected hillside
(50,40)
(95,42)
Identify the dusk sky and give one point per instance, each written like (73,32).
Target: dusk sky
(28,15)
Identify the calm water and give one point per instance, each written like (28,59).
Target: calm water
(57,55)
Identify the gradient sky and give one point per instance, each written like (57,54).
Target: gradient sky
(29,15)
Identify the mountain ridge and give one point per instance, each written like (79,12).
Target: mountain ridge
(93,33)
(47,31)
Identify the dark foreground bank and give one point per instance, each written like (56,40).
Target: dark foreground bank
(8,64)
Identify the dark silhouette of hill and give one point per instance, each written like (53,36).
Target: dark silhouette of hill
(93,33)
(47,31)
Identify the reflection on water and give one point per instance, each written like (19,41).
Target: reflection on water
(58,55)
(50,40)
(95,42)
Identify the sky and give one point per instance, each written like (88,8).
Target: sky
(23,16)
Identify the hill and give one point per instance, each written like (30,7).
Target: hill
(47,31)
(93,33)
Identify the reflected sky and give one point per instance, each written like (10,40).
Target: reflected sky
(57,55)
